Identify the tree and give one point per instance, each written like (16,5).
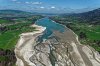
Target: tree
(82,35)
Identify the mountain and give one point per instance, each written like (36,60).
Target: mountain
(14,13)
(90,16)
(19,13)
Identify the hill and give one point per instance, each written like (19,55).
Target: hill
(14,13)
(92,17)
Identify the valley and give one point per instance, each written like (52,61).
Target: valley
(37,40)
(57,49)
(49,32)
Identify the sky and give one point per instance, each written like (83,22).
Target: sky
(50,6)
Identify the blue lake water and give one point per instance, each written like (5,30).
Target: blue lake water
(50,27)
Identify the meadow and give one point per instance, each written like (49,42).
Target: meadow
(92,34)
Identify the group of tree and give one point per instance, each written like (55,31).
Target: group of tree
(7,57)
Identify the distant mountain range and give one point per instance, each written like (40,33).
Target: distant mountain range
(18,13)
(90,16)
(14,13)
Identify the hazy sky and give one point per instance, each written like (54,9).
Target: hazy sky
(49,5)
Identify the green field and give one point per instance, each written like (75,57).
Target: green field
(4,21)
(9,35)
(92,33)
(9,38)
(11,28)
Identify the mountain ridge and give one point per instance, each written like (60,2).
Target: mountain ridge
(14,13)
(90,16)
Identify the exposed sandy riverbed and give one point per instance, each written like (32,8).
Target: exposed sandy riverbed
(65,48)
(81,55)
(24,48)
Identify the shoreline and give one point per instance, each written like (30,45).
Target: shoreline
(24,47)
(95,56)
(26,52)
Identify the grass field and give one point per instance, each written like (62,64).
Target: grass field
(9,37)
(92,33)
(4,21)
